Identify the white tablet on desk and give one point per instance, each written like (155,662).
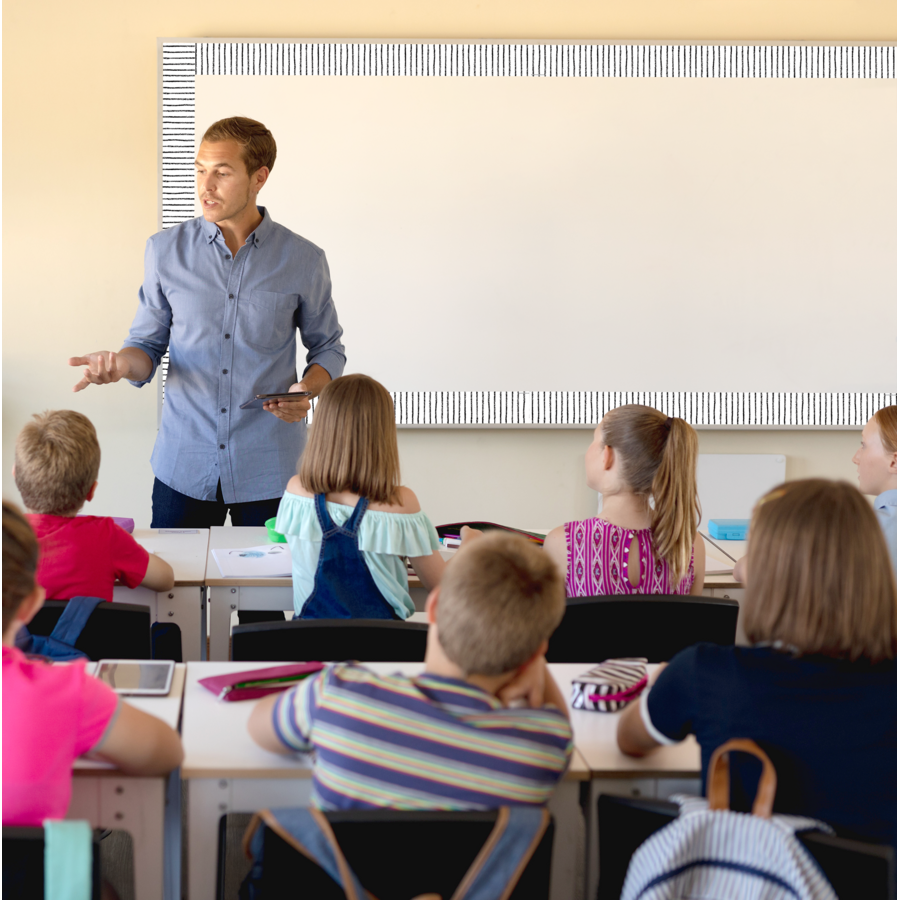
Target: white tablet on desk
(137,677)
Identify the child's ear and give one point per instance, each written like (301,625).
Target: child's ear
(90,493)
(893,465)
(431,605)
(609,457)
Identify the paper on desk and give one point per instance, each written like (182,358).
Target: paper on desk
(716,566)
(265,561)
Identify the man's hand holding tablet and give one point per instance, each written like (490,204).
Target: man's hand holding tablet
(313,381)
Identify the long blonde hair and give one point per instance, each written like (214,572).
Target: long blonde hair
(353,442)
(658,456)
(819,576)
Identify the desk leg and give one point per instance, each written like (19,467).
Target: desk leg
(136,805)
(567,870)
(222,602)
(185,608)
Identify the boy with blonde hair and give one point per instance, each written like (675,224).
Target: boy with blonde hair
(448,738)
(57,462)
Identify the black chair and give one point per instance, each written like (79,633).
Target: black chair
(23,864)
(437,850)
(656,626)
(114,630)
(854,868)
(326,640)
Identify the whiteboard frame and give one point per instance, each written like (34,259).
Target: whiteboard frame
(181,60)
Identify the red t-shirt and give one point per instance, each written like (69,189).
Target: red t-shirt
(82,556)
(51,715)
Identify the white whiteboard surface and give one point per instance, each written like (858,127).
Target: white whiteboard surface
(540,242)
(729,484)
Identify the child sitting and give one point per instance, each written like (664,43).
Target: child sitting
(57,461)
(818,689)
(876,461)
(445,739)
(55,713)
(634,547)
(347,520)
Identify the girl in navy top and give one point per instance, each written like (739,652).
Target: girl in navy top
(817,689)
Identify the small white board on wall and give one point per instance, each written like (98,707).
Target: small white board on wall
(729,484)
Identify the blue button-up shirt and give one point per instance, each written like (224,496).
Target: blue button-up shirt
(886,510)
(229,326)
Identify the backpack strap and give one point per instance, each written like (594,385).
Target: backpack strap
(309,833)
(71,623)
(505,854)
(718,779)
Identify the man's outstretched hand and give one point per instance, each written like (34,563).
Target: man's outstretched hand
(290,410)
(102,367)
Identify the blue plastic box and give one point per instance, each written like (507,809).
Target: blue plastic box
(729,529)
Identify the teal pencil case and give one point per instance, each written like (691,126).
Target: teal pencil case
(729,529)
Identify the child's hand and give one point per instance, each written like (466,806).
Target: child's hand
(530,684)
(467,535)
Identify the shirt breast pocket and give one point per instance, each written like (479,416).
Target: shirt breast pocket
(267,322)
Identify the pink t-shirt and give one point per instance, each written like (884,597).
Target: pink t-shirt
(82,556)
(51,715)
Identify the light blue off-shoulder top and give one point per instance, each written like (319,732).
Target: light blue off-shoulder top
(385,538)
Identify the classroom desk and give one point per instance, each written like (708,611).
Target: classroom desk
(149,808)
(226,772)
(185,605)
(663,772)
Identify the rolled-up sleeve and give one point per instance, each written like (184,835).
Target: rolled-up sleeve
(317,320)
(150,328)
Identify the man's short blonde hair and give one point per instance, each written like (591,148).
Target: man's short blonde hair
(500,598)
(57,461)
(255,140)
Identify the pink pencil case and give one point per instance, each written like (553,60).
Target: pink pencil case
(125,524)
(610,686)
(259,682)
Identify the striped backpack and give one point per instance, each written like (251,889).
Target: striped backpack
(712,853)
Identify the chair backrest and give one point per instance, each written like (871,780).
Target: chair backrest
(114,630)
(656,626)
(397,855)
(328,640)
(854,868)
(23,864)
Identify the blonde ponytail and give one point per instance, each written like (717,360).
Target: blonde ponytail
(676,506)
(659,459)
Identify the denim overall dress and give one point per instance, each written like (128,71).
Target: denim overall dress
(344,587)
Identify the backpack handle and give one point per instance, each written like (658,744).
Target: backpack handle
(718,778)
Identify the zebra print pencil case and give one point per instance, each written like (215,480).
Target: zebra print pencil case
(611,685)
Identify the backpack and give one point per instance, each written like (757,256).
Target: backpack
(712,853)
(59,645)
(492,876)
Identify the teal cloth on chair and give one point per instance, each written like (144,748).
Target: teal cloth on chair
(68,860)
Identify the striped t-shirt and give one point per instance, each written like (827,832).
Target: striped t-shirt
(428,742)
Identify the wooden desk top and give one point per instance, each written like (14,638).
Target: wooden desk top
(167,708)
(217,745)
(595,738)
(185,552)
(234,537)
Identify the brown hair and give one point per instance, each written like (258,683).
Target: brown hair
(500,597)
(353,442)
(20,559)
(57,461)
(658,455)
(819,576)
(255,140)
(886,419)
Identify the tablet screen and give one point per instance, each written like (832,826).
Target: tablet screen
(127,676)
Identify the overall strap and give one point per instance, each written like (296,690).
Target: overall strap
(351,526)
(71,623)
(500,863)
(325,521)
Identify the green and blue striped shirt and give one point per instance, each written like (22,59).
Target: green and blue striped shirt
(428,742)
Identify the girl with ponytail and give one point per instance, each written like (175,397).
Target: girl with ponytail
(645,541)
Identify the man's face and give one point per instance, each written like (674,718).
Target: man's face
(224,186)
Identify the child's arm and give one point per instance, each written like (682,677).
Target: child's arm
(140,744)
(555,546)
(740,570)
(262,728)
(536,684)
(631,734)
(160,576)
(699,565)
(429,569)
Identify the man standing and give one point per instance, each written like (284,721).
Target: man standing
(225,294)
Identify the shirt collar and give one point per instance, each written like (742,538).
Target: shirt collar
(886,499)
(446,681)
(263,230)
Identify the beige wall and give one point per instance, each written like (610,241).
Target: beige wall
(80,199)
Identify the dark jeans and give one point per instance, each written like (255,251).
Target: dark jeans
(172,509)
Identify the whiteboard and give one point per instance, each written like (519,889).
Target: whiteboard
(527,235)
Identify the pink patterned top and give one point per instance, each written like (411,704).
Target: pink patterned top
(597,562)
